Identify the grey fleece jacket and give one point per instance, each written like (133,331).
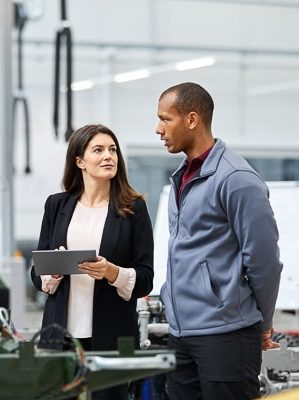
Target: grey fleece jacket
(223,267)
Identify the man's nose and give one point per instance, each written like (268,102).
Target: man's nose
(159,129)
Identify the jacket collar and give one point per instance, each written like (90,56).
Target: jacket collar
(110,232)
(65,217)
(210,164)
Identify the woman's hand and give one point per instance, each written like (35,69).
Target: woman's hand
(100,269)
(58,276)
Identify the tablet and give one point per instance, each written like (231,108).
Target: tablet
(63,262)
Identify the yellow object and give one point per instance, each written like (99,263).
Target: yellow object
(285,395)
(18,253)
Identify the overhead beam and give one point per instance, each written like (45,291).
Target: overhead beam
(266,3)
(174,47)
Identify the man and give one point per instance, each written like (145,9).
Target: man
(223,263)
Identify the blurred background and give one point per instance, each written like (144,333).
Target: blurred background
(112,59)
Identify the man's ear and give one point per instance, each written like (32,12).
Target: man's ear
(80,163)
(193,119)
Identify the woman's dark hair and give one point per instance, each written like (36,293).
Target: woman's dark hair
(121,193)
(192,97)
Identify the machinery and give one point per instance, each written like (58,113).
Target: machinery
(280,367)
(29,373)
(153,327)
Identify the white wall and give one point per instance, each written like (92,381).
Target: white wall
(256,49)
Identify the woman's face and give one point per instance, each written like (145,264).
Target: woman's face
(100,158)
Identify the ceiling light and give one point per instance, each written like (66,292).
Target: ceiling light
(82,85)
(132,76)
(195,63)
(143,73)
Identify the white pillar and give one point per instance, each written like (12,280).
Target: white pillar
(6,151)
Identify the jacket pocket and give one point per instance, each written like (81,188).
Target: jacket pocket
(209,292)
(168,306)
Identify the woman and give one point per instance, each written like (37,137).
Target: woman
(98,209)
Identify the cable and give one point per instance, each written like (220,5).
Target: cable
(63,36)
(81,370)
(20,96)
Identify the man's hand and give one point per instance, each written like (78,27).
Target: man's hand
(267,343)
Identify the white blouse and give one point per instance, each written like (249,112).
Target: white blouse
(85,232)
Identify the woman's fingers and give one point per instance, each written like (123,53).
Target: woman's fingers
(95,269)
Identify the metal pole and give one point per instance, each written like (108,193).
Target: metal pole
(6,151)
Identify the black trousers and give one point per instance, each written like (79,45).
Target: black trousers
(217,367)
(119,392)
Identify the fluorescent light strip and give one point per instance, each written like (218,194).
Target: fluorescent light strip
(132,76)
(89,84)
(143,73)
(82,85)
(196,63)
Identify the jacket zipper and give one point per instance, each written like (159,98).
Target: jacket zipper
(177,231)
(175,311)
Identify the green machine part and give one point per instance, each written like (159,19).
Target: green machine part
(34,374)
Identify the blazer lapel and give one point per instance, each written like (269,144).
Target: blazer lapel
(65,218)
(110,232)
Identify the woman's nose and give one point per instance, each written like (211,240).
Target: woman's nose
(107,154)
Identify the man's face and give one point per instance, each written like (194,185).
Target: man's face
(172,126)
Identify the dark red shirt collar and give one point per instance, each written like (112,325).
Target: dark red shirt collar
(192,167)
(200,159)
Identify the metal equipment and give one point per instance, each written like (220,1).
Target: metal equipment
(20,96)
(24,11)
(63,36)
(280,367)
(4,295)
(29,373)
(153,328)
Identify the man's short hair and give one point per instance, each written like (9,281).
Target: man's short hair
(192,97)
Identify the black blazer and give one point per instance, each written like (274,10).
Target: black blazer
(127,242)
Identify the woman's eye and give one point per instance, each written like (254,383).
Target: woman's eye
(101,150)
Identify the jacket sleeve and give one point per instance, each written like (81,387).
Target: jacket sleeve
(43,243)
(142,250)
(245,199)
